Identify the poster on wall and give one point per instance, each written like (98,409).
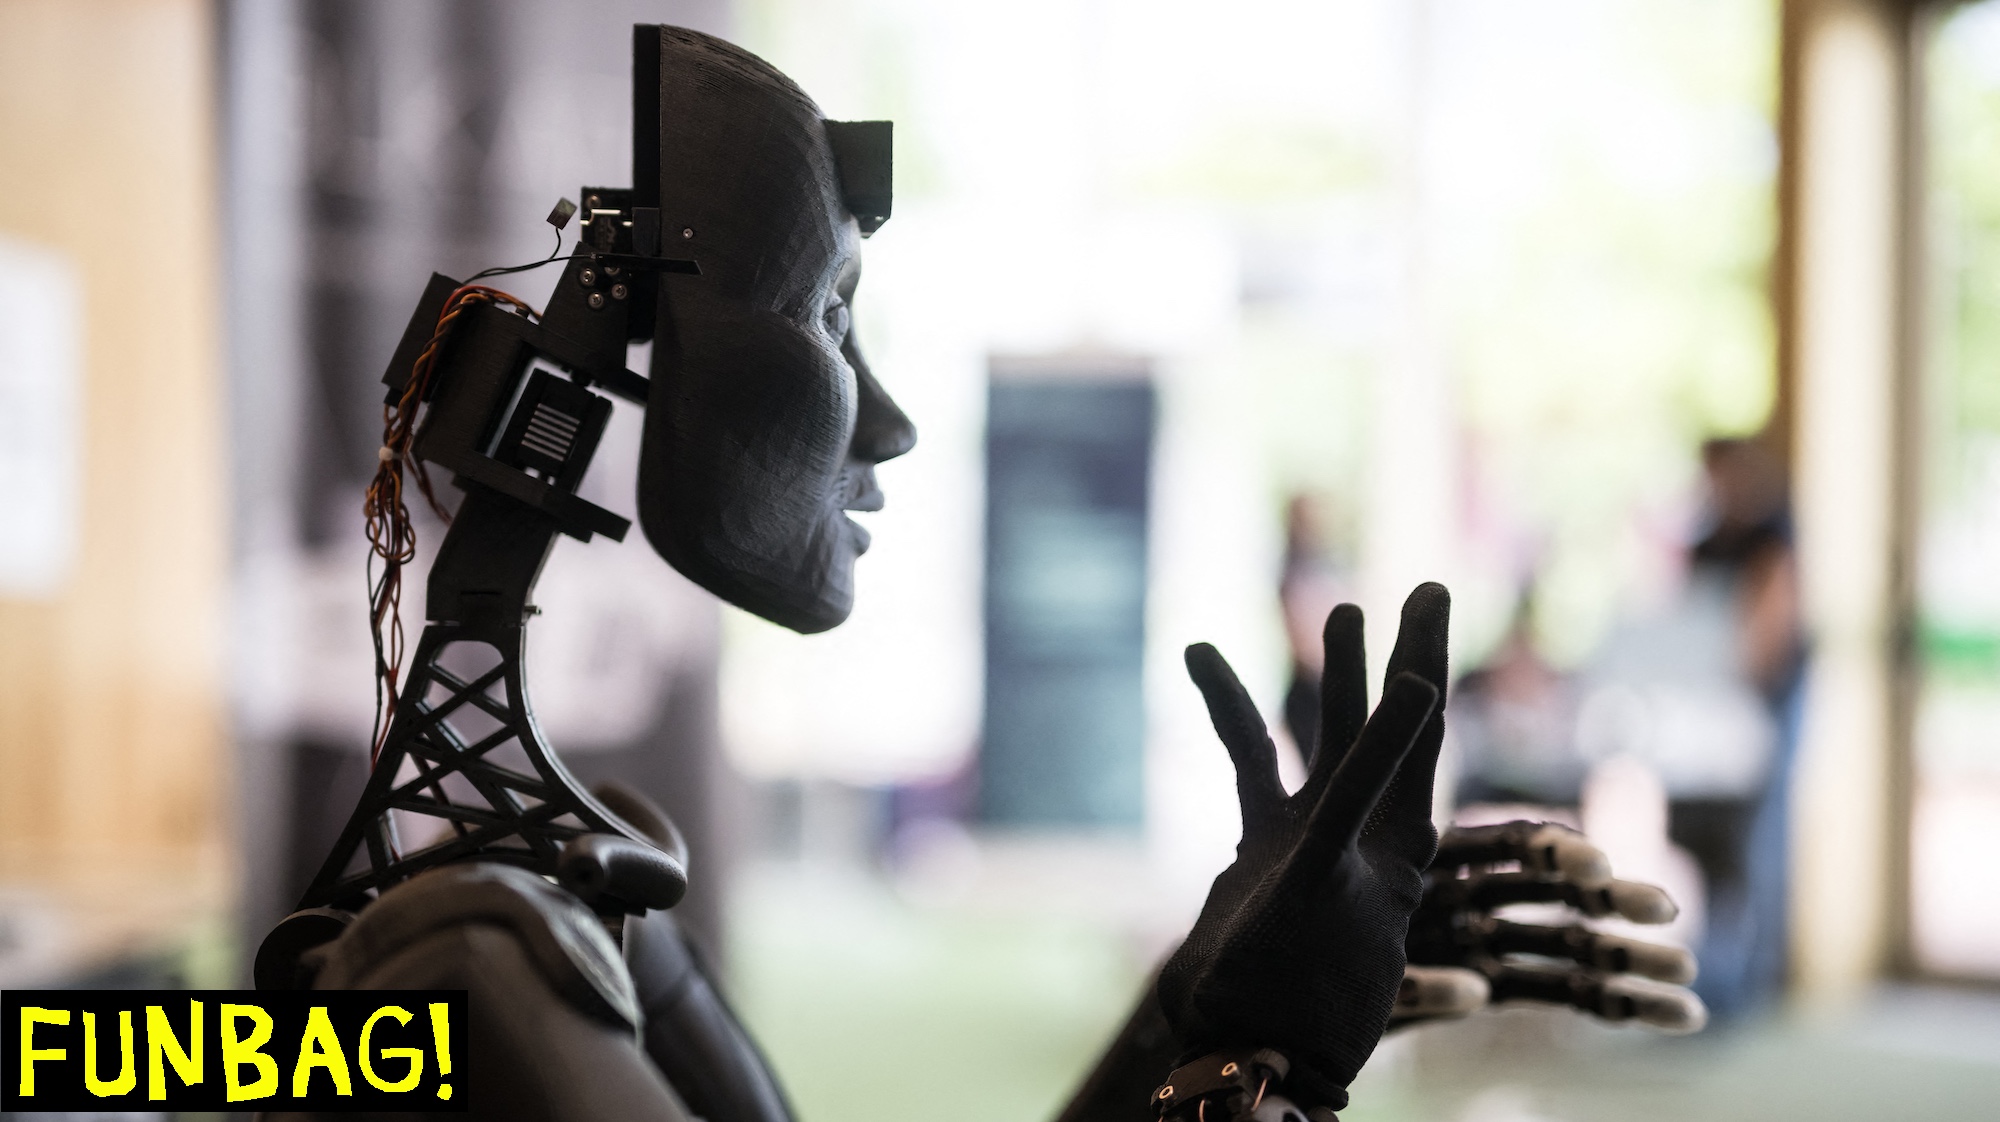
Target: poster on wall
(41,377)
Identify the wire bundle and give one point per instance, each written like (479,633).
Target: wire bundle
(391,537)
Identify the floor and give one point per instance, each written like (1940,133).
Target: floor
(875,1005)
(1903,1053)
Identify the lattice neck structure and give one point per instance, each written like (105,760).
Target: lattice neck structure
(464,771)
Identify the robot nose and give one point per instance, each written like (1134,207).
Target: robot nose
(882,431)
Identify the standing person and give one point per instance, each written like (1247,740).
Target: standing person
(1516,715)
(1739,841)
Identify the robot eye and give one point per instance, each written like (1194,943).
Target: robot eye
(837,321)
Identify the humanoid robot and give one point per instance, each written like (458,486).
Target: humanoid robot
(736,251)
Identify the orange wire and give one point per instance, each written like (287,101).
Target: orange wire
(391,536)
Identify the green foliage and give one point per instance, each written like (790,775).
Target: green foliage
(1964,655)
(1965,172)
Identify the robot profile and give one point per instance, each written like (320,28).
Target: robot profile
(512,404)
(735,251)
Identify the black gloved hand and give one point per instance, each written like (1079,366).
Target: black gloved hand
(1299,947)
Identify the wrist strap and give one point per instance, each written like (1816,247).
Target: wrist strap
(1241,1082)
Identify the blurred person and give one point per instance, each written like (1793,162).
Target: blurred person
(1516,717)
(1748,543)
(1706,694)
(1739,840)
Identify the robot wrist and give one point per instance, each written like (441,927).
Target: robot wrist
(1240,1085)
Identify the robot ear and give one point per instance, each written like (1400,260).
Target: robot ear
(861,152)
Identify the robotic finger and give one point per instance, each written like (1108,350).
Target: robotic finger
(1430,992)
(1640,903)
(1629,899)
(1669,1009)
(1610,954)
(1544,850)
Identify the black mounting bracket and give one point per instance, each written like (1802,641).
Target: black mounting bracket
(510,409)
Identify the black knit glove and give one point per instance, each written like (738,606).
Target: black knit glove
(1300,945)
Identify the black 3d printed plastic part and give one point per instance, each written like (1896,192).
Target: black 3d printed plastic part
(863,152)
(518,439)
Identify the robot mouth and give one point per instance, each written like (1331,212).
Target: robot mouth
(859,535)
(862,493)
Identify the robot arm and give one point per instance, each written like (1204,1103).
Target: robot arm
(1287,980)
(1257,969)
(691,1034)
(1129,1071)
(552,1012)
(566,1023)
(1597,974)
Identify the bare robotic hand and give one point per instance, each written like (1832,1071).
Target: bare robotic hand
(1462,956)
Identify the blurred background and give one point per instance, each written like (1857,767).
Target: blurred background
(1665,332)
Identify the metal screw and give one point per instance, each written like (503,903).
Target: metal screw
(591,202)
(687,232)
(588,277)
(612,270)
(618,292)
(596,301)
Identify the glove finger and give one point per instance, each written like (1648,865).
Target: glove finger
(1422,642)
(1543,849)
(1343,692)
(1439,991)
(1667,1008)
(1423,635)
(1609,954)
(1357,785)
(1241,728)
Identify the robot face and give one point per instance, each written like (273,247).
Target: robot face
(764,424)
